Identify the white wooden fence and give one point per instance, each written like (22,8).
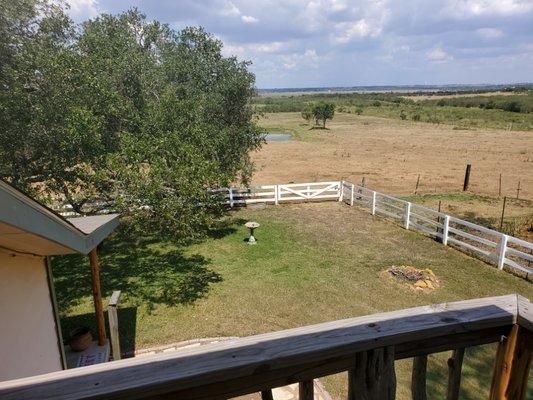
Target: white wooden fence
(276,194)
(488,244)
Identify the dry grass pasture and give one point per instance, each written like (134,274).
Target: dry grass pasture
(391,154)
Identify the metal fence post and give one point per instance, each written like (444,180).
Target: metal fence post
(341,190)
(276,194)
(373,203)
(406,215)
(445,230)
(230,197)
(351,195)
(502,250)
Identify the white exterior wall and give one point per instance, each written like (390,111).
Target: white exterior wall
(28,336)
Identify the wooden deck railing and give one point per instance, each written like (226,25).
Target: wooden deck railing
(365,347)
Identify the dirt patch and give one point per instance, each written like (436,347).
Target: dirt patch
(417,279)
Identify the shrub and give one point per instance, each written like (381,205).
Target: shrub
(403,115)
(376,103)
(416,117)
(359,110)
(513,106)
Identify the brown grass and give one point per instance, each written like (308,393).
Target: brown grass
(391,154)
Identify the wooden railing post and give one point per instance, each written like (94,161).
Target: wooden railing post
(455,366)
(445,230)
(374,376)
(230,197)
(418,378)
(341,190)
(406,215)
(502,249)
(97,296)
(305,390)
(113,324)
(267,395)
(373,203)
(276,194)
(351,195)
(511,368)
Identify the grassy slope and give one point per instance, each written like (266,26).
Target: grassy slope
(313,263)
(391,105)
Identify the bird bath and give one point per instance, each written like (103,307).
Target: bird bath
(251,225)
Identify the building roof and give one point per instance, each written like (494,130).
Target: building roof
(30,227)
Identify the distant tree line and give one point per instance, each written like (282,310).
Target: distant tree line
(123,109)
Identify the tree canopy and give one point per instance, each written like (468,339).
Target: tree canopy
(323,112)
(122,109)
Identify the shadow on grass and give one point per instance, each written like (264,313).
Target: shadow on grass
(127,317)
(148,271)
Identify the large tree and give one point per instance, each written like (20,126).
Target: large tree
(123,109)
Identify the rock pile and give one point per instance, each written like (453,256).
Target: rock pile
(418,279)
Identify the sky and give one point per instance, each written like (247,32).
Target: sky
(325,43)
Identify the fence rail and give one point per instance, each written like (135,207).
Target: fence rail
(490,245)
(365,348)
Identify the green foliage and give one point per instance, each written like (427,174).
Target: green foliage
(403,115)
(522,103)
(307,115)
(122,109)
(479,111)
(322,112)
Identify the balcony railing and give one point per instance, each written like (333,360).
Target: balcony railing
(365,347)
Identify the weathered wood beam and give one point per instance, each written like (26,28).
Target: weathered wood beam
(251,364)
(97,296)
(374,376)
(305,390)
(267,395)
(455,366)
(511,368)
(418,378)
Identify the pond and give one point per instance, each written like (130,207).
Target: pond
(278,137)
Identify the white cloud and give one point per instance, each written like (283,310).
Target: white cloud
(83,8)
(248,19)
(230,10)
(229,50)
(348,31)
(475,8)
(437,54)
(489,33)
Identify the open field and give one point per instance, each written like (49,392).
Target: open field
(390,154)
(511,111)
(437,96)
(314,262)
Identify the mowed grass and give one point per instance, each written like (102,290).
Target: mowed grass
(313,262)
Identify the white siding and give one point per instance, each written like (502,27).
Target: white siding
(28,338)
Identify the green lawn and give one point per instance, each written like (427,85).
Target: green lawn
(313,263)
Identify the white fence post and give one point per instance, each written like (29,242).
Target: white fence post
(502,250)
(373,203)
(351,195)
(231,197)
(341,190)
(406,215)
(445,230)
(276,194)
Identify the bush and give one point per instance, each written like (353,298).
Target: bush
(513,106)
(376,103)
(359,110)
(403,115)
(416,117)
